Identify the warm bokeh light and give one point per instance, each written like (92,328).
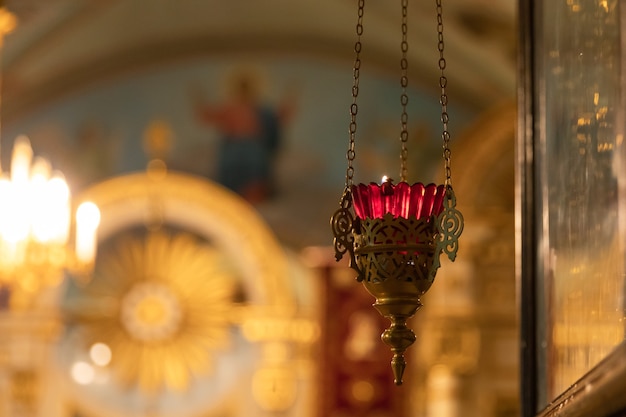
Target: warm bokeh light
(100,354)
(35,220)
(88,215)
(36,202)
(21,160)
(83,373)
(50,209)
(362,391)
(87,221)
(13,224)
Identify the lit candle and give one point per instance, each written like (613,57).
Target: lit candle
(5,207)
(41,169)
(386,187)
(20,223)
(59,212)
(38,201)
(20,160)
(87,221)
(9,254)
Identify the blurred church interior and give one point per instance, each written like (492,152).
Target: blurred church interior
(214,291)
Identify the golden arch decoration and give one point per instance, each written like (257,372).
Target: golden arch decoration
(269,318)
(195,203)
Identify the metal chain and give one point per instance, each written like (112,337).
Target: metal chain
(404,98)
(354,108)
(443,82)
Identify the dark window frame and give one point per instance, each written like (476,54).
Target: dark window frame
(602,391)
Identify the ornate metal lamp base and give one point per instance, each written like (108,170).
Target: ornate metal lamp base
(398,336)
(394,257)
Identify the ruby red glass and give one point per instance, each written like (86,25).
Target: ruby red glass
(401,200)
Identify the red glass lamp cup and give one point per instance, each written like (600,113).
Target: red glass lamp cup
(400,200)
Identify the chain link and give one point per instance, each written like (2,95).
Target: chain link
(404,98)
(443,99)
(354,108)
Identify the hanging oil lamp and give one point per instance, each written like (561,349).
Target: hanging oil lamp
(395,233)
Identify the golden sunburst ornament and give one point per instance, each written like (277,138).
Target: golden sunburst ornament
(173,305)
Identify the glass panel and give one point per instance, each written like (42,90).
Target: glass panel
(582,182)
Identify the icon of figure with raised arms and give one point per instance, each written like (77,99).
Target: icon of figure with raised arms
(250,132)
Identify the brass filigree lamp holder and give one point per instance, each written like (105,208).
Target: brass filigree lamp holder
(395,233)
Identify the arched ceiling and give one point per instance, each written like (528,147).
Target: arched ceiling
(63,45)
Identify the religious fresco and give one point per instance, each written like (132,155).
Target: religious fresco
(273,130)
(250,136)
